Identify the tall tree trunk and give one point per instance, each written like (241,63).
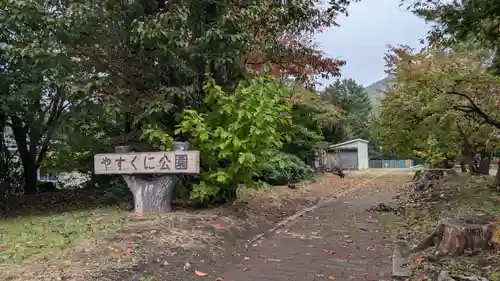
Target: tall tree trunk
(467,151)
(27,154)
(484,163)
(463,167)
(30,177)
(496,184)
(4,165)
(470,162)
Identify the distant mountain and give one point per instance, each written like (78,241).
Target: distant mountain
(374,92)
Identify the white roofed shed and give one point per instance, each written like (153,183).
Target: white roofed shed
(351,154)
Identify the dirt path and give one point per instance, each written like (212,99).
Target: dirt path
(338,241)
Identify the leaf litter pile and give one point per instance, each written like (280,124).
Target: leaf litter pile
(111,243)
(452,228)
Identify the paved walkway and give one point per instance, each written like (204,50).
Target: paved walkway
(339,241)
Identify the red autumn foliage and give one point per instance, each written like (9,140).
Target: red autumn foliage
(298,59)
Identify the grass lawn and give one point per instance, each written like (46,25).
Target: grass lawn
(39,238)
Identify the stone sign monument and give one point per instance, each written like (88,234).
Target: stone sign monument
(151,176)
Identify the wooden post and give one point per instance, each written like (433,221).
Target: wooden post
(150,176)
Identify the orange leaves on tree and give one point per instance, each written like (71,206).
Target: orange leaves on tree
(297,58)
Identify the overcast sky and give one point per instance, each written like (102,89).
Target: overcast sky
(362,38)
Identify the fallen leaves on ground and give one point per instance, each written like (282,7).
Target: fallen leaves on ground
(219,226)
(420,260)
(200,273)
(328,251)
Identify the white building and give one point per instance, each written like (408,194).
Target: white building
(351,155)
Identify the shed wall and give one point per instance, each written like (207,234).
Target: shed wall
(361,155)
(348,160)
(363,158)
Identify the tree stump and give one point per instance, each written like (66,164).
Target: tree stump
(422,175)
(152,195)
(423,182)
(433,173)
(453,236)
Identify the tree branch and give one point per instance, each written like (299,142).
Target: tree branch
(472,108)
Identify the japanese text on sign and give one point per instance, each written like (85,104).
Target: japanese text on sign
(172,162)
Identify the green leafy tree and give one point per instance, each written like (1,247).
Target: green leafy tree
(463,22)
(311,118)
(41,84)
(82,136)
(148,60)
(167,48)
(426,112)
(236,136)
(353,100)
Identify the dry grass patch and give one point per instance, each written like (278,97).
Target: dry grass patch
(80,246)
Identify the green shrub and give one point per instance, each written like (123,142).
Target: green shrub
(234,135)
(285,168)
(233,132)
(115,192)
